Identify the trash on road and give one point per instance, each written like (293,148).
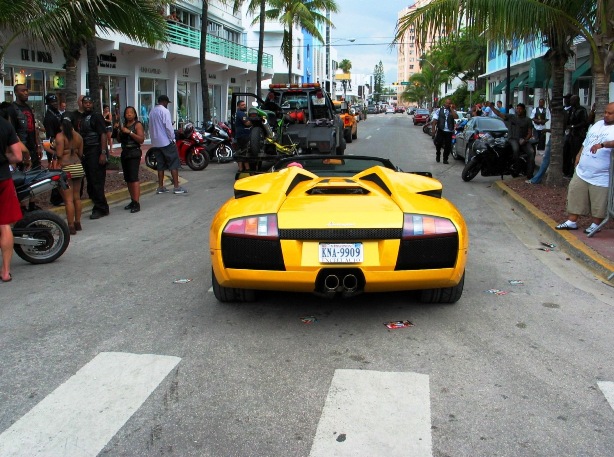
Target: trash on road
(548,245)
(181,281)
(545,249)
(398,324)
(496,292)
(516,282)
(308,319)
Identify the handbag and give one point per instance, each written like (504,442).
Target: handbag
(54,164)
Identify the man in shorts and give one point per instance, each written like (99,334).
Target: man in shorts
(163,140)
(10,212)
(588,188)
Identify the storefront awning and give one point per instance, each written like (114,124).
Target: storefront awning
(499,87)
(582,70)
(537,73)
(519,81)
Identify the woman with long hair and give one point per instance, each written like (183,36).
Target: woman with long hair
(108,124)
(131,136)
(69,150)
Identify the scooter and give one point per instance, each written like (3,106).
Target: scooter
(191,149)
(493,157)
(40,236)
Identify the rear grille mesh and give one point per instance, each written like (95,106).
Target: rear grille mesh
(428,253)
(252,254)
(341,234)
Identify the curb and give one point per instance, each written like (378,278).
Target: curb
(594,261)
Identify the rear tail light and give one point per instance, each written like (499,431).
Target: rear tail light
(263,226)
(417,225)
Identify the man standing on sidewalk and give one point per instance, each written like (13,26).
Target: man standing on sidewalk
(163,140)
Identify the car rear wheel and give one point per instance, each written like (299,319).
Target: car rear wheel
(444,295)
(229,294)
(455,153)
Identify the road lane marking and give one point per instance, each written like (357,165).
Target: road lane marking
(82,415)
(377,414)
(607,387)
(368,138)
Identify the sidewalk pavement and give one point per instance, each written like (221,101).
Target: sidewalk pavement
(596,252)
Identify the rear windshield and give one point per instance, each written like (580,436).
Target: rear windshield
(489,123)
(422,111)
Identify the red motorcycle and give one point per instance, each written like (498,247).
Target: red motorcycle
(191,149)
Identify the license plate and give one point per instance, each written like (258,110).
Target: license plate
(341,252)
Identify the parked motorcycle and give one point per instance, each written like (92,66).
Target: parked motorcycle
(218,142)
(264,126)
(191,149)
(493,157)
(40,236)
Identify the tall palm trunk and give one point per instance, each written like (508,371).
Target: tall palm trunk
(557,126)
(602,89)
(289,53)
(72,54)
(203,61)
(260,48)
(93,79)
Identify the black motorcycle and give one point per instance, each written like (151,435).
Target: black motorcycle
(218,143)
(493,157)
(40,236)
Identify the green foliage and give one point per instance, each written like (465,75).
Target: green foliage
(345,65)
(378,81)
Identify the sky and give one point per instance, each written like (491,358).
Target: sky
(372,24)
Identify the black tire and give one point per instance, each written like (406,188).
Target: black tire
(56,239)
(223,153)
(355,135)
(228,294)
(425,129)
(347,135)
(150,159)
(444,295)
(455,153)
(471,170)
(256,140)
(341,147)
(467,154)
(197,160)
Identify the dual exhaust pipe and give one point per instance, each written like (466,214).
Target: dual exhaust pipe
(347,285)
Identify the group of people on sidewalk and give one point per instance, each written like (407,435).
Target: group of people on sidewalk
(78,143)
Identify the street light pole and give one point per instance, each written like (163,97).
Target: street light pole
(507,83)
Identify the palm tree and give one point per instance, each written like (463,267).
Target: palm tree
(556,22)
(252,7)
(302,13)
(345,65)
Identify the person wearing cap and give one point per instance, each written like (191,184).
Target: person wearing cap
(51,122)
(91,127)
(163,140)
(576,127)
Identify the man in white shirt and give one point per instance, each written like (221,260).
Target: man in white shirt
(163,140)
(588,189)
(540,116)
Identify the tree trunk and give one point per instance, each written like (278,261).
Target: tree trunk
(203,61)
(602,90)
(93,80)
(290,53)
(72,56)
(260,49)
(557,124)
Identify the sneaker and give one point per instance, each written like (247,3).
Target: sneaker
(528,181)
(567,225)
(162,190)
(591,229)
(179,190)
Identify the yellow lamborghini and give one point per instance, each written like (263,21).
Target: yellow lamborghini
(338,225)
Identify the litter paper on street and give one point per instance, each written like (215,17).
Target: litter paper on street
(181,281)
(496,291)
(398,324)
(549,245)
(516,282)
(308,319)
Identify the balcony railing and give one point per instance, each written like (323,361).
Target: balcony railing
(184,35)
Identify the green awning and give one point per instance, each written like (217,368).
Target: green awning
(581,70)
(499,87)
(519,81)
(537,73)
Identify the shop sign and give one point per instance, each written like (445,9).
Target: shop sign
(186,72)
(107,60)
(151,71)
(31,55)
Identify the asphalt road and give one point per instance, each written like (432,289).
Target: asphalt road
(101,352)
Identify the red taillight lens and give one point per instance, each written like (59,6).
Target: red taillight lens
(57,177)
(417,225)
(263,226)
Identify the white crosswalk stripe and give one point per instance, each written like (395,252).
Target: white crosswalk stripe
(607,387)
(83,414)
(372,413)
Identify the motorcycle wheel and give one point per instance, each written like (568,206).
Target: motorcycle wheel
(150,159)
(197,160)
(471,170)
(256,140)
(426,129)
(224,153)
(56,238)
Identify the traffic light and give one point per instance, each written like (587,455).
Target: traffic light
(395,84)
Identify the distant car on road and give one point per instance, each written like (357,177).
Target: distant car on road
(421,116)
(372,109)
(390,110)
(399,109)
